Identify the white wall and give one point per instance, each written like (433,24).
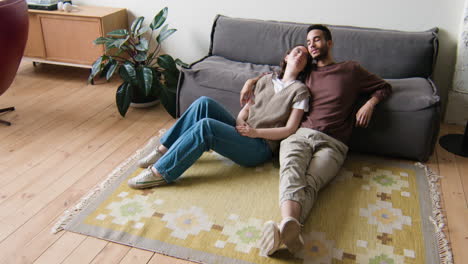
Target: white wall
(193,19)
(457,108)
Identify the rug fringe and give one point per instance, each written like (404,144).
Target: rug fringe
(438,218)
(68,215)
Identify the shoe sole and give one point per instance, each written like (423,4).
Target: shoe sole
(147,184)
(290,234)
(270,240)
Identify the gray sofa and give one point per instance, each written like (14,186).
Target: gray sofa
(405,125)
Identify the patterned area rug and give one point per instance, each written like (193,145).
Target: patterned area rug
(374,211)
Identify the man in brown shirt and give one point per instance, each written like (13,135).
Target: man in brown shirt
(312,156)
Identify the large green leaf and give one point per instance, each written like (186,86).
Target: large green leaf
(164,34)
(143,45)
(172,79)
(112,68)
(123,97)
(145,79)
(142,31)
(140,57)
(136,25)
(156,86)
(101,40)
(166,62)
(109,45)
(117,43)
(105,68)
(118,33)
(97,67)
(163,29)
(159,19)
(128,73)
(168,100)
(123,42)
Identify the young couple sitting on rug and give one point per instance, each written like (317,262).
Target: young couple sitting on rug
(310,156)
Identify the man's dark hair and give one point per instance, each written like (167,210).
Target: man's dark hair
(324,29)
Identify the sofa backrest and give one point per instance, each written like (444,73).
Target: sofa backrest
(387,53)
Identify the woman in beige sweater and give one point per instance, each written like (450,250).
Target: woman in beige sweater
(249,140)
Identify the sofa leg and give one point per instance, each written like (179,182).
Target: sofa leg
(8,109)
(456,143)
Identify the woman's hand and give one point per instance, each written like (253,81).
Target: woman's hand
(240,122)
(247,131)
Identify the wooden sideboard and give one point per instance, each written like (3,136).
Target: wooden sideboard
(60,37)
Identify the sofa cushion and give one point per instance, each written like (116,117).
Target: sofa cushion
(214,71)
(387,53)
(411,94)
(390,54)
(256,41)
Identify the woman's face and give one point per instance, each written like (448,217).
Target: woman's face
(297,58)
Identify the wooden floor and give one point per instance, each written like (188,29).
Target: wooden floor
(67,136)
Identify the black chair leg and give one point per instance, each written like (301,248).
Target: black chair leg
(8,109)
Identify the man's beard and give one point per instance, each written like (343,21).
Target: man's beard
(323,53)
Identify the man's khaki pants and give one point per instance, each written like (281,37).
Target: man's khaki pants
(309,159)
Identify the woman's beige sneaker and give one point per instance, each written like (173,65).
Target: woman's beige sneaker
(290,234)
(146,179)
(270,241)
(150,159)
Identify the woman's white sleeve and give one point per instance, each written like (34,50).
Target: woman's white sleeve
(304,104)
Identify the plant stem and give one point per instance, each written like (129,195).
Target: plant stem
(155,52)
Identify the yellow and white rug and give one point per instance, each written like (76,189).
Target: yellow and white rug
(374,211)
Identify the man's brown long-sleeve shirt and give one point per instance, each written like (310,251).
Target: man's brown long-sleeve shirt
(334,92)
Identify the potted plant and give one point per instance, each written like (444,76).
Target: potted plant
(146,74)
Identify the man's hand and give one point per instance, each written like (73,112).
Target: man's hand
(247,131)
(364,114)
(247,92)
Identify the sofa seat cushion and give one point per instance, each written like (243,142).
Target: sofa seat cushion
(411,94)
(213,72)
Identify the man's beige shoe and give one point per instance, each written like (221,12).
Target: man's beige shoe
(290,234)
(270,241)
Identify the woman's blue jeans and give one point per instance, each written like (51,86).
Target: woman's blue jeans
(206,125)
